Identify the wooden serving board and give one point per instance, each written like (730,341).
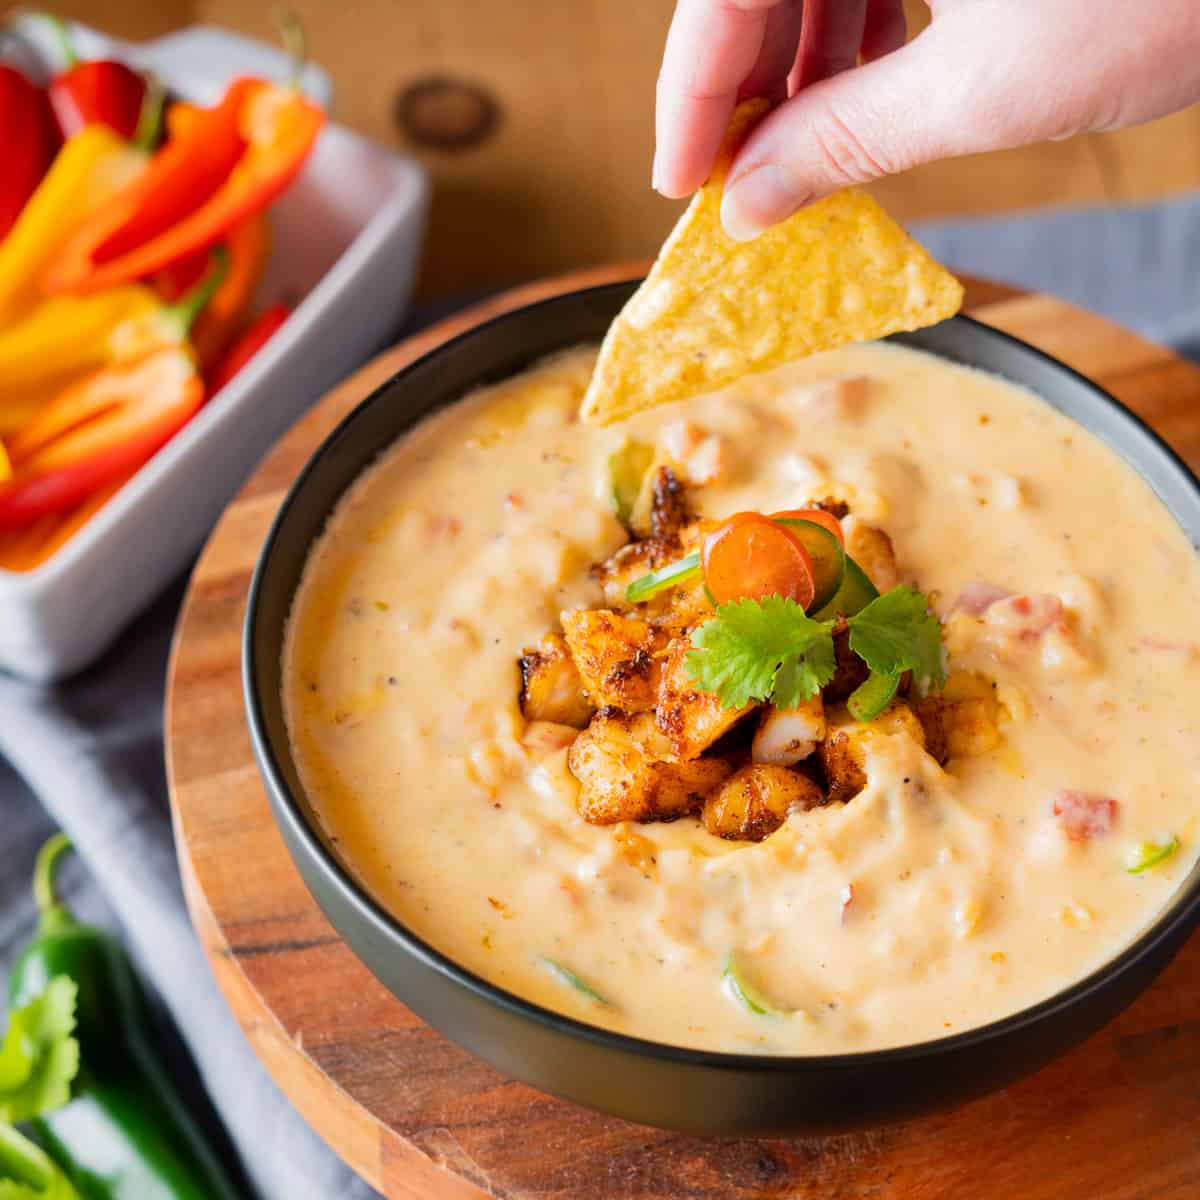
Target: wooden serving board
(1117,1119)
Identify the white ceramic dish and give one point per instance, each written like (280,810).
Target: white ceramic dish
(347,238)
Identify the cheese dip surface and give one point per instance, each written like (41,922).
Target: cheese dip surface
(937,898)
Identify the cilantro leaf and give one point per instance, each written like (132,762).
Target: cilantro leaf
(764,649)
(39,1057)
(896,632)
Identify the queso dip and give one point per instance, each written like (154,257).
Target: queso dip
(936,899)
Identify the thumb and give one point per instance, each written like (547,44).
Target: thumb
(951,91)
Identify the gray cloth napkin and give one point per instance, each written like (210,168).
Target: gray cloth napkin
(1138,265)
(87,754)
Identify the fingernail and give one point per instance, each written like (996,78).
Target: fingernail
(758,199)
(656,176)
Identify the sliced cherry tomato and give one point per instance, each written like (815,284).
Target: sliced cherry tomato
(750,556)
(815,516)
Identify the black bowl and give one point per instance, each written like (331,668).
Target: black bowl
(693,1090)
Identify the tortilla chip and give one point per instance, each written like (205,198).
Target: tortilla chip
(713,310)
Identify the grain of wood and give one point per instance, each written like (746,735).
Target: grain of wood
(421,1120)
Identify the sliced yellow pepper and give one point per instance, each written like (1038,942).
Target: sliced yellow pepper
(5,465)
(65,335)
(88,170)
(69,333)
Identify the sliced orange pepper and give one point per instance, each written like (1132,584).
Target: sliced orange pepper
(103,408)
(96,432)
(19,547)
(174,209)
(249,246)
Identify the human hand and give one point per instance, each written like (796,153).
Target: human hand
(985,75)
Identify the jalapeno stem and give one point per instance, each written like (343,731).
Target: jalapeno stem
(52,913)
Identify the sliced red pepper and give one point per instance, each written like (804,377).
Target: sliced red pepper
(750,556)
(183,274)
(100,91)
(30,141)
(30,498)
(249,247)
(27,548)
(252,146)
(106,425)
(187,171)
(261,330)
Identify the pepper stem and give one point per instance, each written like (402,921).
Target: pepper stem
(185,311)
(62,35)
(150,117)
(23,1161)
(291,34)
(52,913)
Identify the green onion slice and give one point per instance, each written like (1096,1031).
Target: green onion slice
(742,989)
(1150,854)
(646,586)
(870,698)
(567,976)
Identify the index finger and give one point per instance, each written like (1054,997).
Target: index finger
(712,47)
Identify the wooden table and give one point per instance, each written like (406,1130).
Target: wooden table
(1117,1119)
(563,176)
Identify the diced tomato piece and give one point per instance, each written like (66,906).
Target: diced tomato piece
(976,598)
(1026,616)
(1084,815)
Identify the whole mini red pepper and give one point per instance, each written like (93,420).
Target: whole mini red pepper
(98,92)
(225,164)
(260,331)
(29,142)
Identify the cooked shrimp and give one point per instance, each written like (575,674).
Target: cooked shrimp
(872,549)
(753,802)
(691,719)
(551,686)
(844,750)
(615,657)
(787,735)
(618,761)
